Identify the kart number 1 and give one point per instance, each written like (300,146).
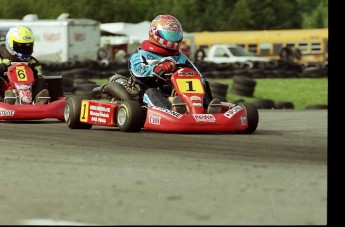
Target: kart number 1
(190,85)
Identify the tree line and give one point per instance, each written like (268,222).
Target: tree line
(194,15)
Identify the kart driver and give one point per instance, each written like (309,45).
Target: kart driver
(18,47)
(165,38)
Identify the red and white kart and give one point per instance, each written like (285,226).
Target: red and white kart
(20,80)
(130,116)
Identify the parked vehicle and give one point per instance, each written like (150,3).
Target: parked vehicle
(311,44)
(227,53)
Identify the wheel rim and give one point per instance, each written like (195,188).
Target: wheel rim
(121,116)
(66,113)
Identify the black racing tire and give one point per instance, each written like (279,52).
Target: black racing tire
(264,103)
(298,54)
(247,81)
(102,53)
(252,117)
(241,93)
(237,101)
(243,88)
(67,82)
(284,105)
(72,113)
(286,54)
(130,116)
(221,98)
(199,55)
(219,88)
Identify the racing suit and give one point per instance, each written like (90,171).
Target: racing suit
(5,61)
(141,66)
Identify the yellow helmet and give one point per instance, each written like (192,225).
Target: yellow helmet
(20,42)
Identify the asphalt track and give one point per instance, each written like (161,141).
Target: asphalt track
(51,174)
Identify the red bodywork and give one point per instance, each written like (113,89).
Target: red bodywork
(21,79)
(188,86)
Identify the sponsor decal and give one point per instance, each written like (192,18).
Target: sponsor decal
(204,118)
(175,114)
(79,37)
(232,111)
(51,37)
(243,120)
(99,113)
(27,37)
(186,73)
(155,120)
(7,112)
(195,98)
(197,104)
(23,87)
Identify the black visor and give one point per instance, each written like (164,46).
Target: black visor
(23,48)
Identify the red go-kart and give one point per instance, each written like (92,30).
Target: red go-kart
(20,80)
(132,116)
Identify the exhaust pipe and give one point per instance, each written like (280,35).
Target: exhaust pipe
(113,89)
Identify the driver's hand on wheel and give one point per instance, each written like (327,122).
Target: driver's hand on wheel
(165,67)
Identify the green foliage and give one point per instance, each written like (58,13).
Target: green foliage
(195,15)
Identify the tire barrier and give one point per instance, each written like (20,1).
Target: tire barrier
(236,101)
(243,75)
(243,85)
(199,55)
(264,104)
(272,69)
(219,90)
(284,105)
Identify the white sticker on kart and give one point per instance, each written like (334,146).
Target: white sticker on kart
(204,118)
(243,120)
(186,73)
(232,111)
(195,98)
(155,120)
(7,112)
(99,114)
(175,114)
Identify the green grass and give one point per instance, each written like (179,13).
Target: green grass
(300,91)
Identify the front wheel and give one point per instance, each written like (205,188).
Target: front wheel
(252,116)
(72,113)
(130,116)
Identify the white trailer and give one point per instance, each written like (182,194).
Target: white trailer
(61,40)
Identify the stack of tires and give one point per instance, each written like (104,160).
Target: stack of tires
(243,86)
(219,90)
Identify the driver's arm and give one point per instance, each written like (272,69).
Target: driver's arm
(139,66)
(36,68)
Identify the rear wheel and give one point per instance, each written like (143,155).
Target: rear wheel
(72,113)
(130,116)
(252,116)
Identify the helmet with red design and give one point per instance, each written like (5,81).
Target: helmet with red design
(166,31)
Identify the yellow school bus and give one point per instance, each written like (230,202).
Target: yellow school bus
(311,43)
